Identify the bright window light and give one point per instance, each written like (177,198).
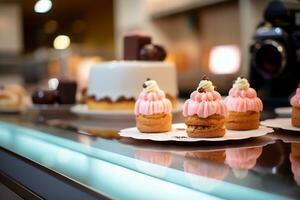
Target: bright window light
(42,6)
(225,59)
(61,42)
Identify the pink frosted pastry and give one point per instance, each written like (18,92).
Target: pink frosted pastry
(295,102)
(153,109)
(243,106)
(205,112)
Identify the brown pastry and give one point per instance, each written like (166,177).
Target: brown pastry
(296,116)
(205,112)
(295,102)
(243,105)
(153,109)
(212,126)
(242,120)
(154,123)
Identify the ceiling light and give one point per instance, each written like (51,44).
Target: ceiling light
(42,6)
(61,42)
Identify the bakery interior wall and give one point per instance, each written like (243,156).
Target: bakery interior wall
(27,53)
(190,30)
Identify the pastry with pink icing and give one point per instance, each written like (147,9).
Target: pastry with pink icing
(295,102)
(205,112)
(153,109)
(243,106)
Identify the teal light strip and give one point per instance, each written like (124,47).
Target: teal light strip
(81,162)
(112,180)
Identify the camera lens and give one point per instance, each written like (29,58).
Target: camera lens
(269,57)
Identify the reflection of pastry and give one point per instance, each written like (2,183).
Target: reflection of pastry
(241,160)
(214,156)
(295,102)
(11,96)
(295,165)
(208,164)
(243,105)
(153,109)
(205,112)
(113,85)
(159,158)
(153,162)
(295,161)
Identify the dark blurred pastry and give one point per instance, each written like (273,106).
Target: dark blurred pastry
(67,91)
(44,97)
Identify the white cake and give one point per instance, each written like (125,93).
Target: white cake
(120,82)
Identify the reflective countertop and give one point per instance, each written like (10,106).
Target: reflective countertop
(259,168)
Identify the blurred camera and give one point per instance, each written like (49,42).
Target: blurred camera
(275,53)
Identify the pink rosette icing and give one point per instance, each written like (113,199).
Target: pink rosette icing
(150,103)
(295,100)
(152,100)
(243,100)
(204,104)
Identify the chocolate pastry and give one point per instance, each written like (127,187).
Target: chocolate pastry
(152,52)
(67,91)
(133,44)
(44,97)
(149,52)
(162,54)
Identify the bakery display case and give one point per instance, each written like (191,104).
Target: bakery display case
(90,167)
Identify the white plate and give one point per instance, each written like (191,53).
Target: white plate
(82,110)
(286,111)
(284,123)
(178,133)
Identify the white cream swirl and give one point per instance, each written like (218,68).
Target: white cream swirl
(241,84)
(206,85)
(151,86)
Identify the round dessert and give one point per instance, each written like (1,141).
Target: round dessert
(11,97)
(243,105)
(44,97)
(205,112)
(295,102)
(153,109)
(112,85)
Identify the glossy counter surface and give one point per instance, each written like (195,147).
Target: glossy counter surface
(261,168)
